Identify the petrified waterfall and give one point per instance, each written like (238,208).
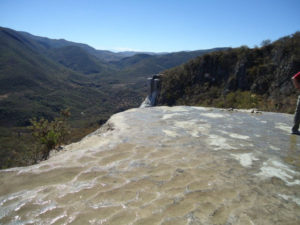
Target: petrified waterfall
(165,165)
(153,91)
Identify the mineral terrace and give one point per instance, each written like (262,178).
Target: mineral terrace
(165,165)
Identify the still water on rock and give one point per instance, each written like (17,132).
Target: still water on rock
(179,165)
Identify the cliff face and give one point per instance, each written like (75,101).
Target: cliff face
(162,165)
(221,78)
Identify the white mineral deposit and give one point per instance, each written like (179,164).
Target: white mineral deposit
(165,165)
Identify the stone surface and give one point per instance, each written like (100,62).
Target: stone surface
(162,165)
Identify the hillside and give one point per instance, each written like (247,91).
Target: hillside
(32,84)
(48,43)
(22,66)
(238,78)
(77,59)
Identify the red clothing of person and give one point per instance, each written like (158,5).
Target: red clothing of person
(297,76)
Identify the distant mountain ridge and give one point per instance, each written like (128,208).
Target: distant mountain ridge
(48,43)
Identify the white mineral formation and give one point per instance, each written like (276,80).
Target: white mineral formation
(162,165)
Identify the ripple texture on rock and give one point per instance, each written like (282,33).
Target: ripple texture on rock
(162,165)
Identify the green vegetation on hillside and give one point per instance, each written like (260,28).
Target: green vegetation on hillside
(237,78)
(77,59)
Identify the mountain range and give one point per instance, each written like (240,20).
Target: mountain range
(38,76)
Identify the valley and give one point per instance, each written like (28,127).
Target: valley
(41,76)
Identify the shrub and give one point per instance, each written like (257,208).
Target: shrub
(242,99)
(50,134)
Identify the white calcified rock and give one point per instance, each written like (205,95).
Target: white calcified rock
(183,165)
(245,159)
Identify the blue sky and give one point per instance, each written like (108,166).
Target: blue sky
(154,25)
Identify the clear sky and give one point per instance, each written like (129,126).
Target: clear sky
(154,25)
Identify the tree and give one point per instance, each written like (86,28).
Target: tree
(50,134)
(265,42)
